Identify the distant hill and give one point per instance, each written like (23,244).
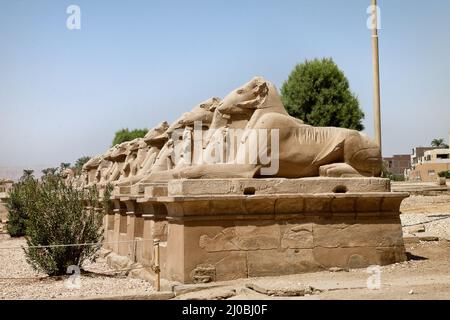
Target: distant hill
(14,173)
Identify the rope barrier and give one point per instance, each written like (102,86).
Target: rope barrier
(75,244)
(428,221)
(104,273)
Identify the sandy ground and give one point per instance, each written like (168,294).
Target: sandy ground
(19,281)
(426,274)
(426,204)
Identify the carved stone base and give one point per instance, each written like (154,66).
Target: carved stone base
(225,229)
(230,229)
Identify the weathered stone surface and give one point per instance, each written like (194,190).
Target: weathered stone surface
(103,253)
(376,234)
(216,294)
(203,274)
(260,236)
(5,187)
(224,241)
(226,206)
(125,246)
(118,262)
(212,238)
(242,237)
(410,239)
(416,229)
(343,205)
(427,237)
(318,204)
(275,186)
(281,291)
(273,262)
(155,190)
(337,269)
(259,206)
(366,204)
(182,289)
(231,266)
(289,205)
(297,236)
(196,207)
(358,257)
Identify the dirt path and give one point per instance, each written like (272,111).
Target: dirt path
(427,276)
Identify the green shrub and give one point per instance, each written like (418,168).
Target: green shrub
(21,198)
(60,217)
(444,174)
(386,173)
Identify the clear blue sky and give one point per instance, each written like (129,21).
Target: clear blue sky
(64,93)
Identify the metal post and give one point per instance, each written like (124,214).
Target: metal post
(156,265)
(376,77)
(134,249)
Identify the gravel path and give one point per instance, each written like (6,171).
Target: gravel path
(426,204)
(433,212)
(19,281)
(436,224)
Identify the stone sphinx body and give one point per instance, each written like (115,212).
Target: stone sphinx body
(89,171)
(241,223)
(301,150)
(147,152)
(157,159)
(304,151)
(167,164)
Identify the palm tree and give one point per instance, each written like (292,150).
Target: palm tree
(49,171)
(27,174)
(439,143)
(64,166)
(79,164)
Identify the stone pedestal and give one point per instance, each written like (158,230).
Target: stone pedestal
(154,228)
(3,209)
(237,228)
(120,228)
(108,229)
(222,229)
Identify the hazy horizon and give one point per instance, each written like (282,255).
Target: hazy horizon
(65,92)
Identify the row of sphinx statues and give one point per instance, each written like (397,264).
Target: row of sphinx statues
(212,141)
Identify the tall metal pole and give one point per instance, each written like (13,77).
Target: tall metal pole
(376,77)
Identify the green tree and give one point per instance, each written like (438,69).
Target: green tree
(64,165)
(21,198)
(59,217)
(27,174)
(49,171)
(79,164)
(124,135)
(439,143)
(318,93)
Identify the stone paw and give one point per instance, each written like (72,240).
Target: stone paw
(338,170)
